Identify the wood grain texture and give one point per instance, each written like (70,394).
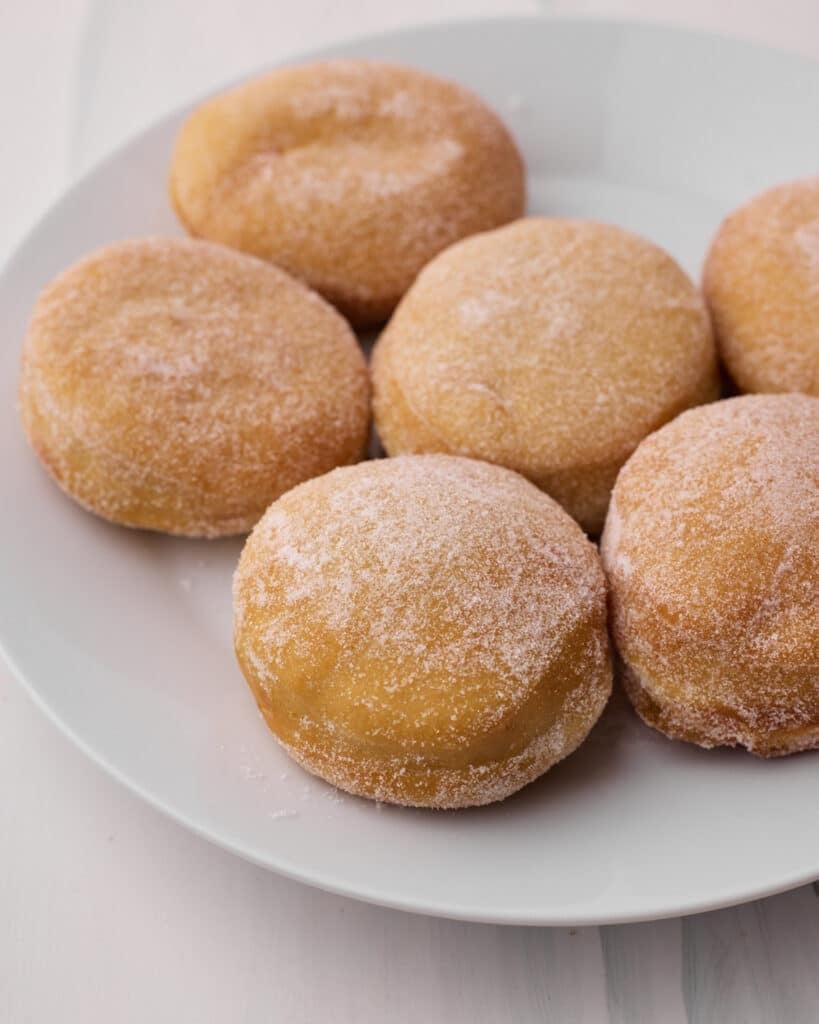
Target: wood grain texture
(644,973)
(760,962)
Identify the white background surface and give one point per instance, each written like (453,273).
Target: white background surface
(108,912)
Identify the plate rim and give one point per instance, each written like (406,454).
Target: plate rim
(315,878)
(375,897)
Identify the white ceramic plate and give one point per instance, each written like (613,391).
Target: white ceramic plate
(124,638)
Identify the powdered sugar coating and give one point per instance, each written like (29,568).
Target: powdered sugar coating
(180,386)
(762,285)
(711,548)
(350,174)
(549,346)
(425,630)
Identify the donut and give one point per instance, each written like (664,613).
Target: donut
(426,630)
(550,346)
(350,174)
(711,548)
(180,386)
(761,282)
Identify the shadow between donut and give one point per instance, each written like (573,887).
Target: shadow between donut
(590,769)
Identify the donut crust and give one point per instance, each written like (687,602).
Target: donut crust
(712,729)
(180,386)
(350,174)
(710,549)
(426,630)
(761,282)
(550,346)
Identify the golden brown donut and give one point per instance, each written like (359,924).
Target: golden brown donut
(181,386)
(549,346)
(711,548)
(761,282)
(426,630)
(350,174)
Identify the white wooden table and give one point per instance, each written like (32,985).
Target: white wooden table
(111,913)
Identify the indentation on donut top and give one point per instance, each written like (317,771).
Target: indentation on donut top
(322,172)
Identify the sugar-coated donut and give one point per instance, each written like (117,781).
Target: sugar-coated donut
(181,386)
(711,548)
(426,630)
(350,174)
(549,346)
(761,282)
